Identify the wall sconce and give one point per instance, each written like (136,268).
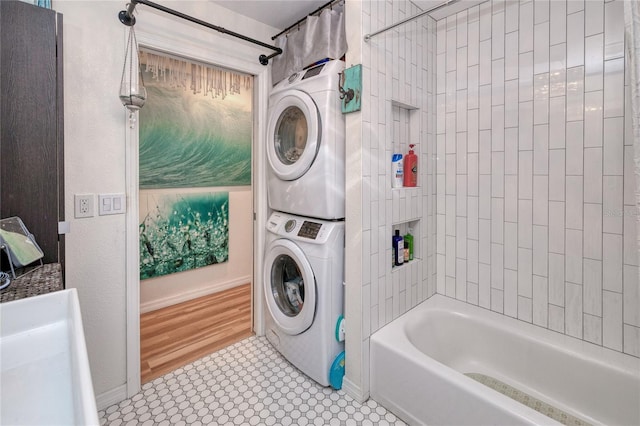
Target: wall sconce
(133,94)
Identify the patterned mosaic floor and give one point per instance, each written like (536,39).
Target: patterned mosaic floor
(528,400)
(248,383)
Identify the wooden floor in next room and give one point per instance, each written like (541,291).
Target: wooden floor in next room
(174,336)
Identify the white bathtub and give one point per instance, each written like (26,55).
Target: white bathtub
(44,369)
(419,362)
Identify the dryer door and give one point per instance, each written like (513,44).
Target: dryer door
(293,135)
(290,287)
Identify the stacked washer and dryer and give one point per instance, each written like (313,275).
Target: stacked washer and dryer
(304,257)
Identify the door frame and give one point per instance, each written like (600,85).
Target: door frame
(208,53)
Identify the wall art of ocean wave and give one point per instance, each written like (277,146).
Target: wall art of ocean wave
(191,140)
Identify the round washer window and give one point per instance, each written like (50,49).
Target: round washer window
(291,134)
(287,285)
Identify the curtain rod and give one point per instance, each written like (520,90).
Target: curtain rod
(127,18)
(367,37)
(301,20)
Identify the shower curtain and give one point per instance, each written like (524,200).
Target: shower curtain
(318,38)
(632,35)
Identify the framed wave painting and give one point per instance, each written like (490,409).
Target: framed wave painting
(179,232)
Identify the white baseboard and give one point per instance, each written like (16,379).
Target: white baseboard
(188,295)
(354,391)
(110,397)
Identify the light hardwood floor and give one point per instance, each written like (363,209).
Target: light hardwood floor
(174,336)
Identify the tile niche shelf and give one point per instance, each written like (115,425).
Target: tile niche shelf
(409,227)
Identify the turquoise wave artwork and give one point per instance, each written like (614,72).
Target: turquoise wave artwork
(179,232)
(192,140)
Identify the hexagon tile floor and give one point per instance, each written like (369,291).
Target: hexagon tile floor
(248,383)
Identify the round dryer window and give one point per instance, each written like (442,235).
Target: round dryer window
(294,135)
(289,287)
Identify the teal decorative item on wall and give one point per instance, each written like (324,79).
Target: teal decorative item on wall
(179,232)
(189,138)
(351,89)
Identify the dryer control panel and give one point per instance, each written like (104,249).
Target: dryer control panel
(301,228)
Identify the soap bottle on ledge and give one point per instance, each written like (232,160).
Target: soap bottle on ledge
(411,168)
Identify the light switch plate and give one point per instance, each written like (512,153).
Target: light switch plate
(112,204)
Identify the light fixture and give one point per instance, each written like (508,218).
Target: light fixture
(133,94)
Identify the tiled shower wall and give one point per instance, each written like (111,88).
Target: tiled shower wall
(536,213)
(397,77)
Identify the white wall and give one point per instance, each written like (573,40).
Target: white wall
(95,154)
(397,65)
(159,292)
(536,190)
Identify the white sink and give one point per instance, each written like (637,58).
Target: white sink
(44,369)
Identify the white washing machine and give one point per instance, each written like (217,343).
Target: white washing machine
(304,293)
(306,144)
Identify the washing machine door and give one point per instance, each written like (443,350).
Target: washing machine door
(294,133)
(289,287)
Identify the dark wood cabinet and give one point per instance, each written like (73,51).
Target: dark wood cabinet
(31,122)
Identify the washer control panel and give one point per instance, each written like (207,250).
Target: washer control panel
(300,228)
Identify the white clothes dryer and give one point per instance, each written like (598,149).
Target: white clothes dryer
(306,144)
(304,293)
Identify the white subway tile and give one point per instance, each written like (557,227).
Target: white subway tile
(511,56)
(525,225)
(473,14)
(472,174)
(612,262)
(574,6)
(541,149)
(451,133)
(472,218)
(592,287)
(557,174)
(461,195)
(525,273)
(472,293)
(629,177)
(485,152)
(451,50)
(631,292)
(497,82)
(511,151)
(557,128)
(593,119)
(556,279)
(511,198)
(556,318)
(472,261)
(484,103)
(575,148)
(511,293)
(440,278)
(497,128)
(461,279)
(541,48)
(558,69)
(573,256)
(497,174)
(441,73)
(575,93)
(526,27)
(525,130)
(497,300)
(484,241)
(541,11)
(461,68)
(497,220)
(485,21)
(497,36)
(612,206)
(473,43)
(540,301)
(461,28)
(593,325)
(484,199)
(630,237)
(451,92)
(613,30)
(451,215)
(497,269)
(574,202)
(541,98)
(612,320)
(484,285)
(558,22)
(511,104)
(631,340)
(525,76)
(613,146)
(525,175)
(510,246)
(575,39)
(593,177)
(450,286)
(614,88)
(593,62)
(511,17)
(485,62)
(525,309)
(540,250)
(573,310)
(541,188)
(450,270)
(441,104)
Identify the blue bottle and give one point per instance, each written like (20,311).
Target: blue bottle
(398,249)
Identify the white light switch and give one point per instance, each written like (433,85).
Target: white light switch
(112,204)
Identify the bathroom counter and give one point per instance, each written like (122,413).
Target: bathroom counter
(43,280)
